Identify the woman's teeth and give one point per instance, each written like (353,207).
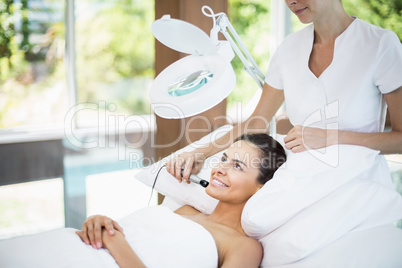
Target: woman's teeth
(218,183)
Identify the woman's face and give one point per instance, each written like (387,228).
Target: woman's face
(235,178)
(312,10)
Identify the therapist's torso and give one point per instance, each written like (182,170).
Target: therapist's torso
(367,63)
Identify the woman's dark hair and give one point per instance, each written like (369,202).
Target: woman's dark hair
(271,152)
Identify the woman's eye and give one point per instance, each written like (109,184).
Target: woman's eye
(223,159)
(238,166)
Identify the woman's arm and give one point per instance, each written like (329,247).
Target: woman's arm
(303,138)
(121,250)
(269,103)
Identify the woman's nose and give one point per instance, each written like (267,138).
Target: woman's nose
(222,168)
(291,2)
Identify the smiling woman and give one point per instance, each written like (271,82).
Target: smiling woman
(240,174)
(235,178)
(158,229)
(245,167)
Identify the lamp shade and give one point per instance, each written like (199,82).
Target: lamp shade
(191,86)
(196,82)
(182,36)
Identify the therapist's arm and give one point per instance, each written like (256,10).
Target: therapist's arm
(302,138)
(269,103)
(121,250)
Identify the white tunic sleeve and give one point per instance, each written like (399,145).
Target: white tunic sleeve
(274,74)
(388,72)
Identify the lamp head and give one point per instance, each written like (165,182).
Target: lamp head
(196,82)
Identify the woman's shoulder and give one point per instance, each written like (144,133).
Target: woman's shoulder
(245,241)
(187,211)
(370,30)
(374,38)
(244,252)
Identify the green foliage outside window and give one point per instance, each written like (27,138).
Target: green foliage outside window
(251,20)
(31,71)
(115,55)
(12,61)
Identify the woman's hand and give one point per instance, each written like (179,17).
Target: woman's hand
(92,228)
(190,161)
(301,138)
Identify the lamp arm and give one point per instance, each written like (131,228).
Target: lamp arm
(240,49)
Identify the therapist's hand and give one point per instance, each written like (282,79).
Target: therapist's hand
(301,138)
(91,233)
(191,161)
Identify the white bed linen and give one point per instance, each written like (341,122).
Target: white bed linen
(160,238)
(60,248)
(378,247)
(352,208)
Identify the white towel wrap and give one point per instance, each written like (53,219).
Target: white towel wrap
(160,237)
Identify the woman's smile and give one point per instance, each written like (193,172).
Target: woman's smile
(299,11)
(217,183)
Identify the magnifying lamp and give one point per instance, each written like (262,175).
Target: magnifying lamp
(203,79)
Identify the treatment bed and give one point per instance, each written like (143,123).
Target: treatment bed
(321,209)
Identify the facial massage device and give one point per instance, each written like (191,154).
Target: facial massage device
(196,179)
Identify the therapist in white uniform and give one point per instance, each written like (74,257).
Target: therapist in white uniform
(336,76)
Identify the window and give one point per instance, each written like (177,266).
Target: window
(114,57)
(101,73)
(31,207)
(32,73)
